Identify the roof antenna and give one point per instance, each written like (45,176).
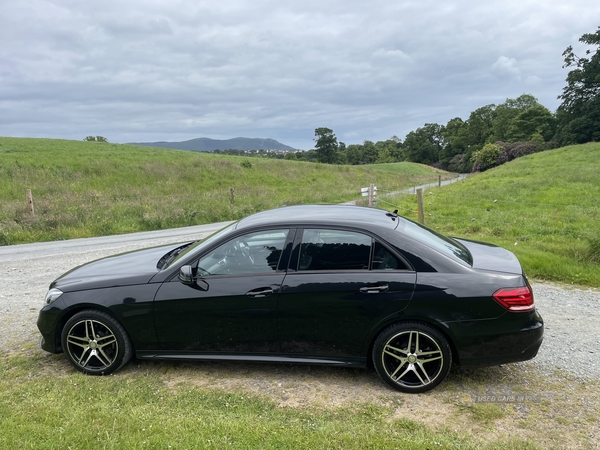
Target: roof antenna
(393,215)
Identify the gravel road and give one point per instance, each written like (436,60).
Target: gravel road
(571,315)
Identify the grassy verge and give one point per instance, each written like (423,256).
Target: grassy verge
(45,404)
(544,207)
(84,189)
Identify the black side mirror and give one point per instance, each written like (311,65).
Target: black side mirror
(186,277)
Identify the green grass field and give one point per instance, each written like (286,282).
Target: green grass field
(45,404)
(544,207)
(83,189)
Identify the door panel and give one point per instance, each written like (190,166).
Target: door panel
(235,314)
(331,313)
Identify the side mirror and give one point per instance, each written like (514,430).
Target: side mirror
(186,276)
(202,285)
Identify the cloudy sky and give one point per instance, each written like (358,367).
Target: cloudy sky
(150,70)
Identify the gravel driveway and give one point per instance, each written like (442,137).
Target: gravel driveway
(571,315)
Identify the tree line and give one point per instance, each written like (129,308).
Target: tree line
(492,134)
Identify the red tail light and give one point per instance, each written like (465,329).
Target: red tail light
(515,299)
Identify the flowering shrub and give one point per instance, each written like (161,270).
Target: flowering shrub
(487,157)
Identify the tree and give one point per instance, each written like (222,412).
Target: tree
(425,144)
(537,120)
(481,126)
(369,152)
(95,139)
(505,114)
(326,146)
(579,113)
(456,141)
(354,154)
(389,151)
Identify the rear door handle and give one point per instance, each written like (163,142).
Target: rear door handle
(259,292)
(374,289)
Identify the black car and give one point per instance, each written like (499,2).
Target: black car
(320,284)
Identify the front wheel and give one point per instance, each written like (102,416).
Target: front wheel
(412,357)
(95,343)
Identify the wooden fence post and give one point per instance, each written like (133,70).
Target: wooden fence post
(232,193)
(30,202)
(439,181)
(421,206)
(371,194)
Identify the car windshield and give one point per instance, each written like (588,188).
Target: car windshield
(439,242)
(202,243)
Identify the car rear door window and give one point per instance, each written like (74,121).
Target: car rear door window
(331,249)
(323,249)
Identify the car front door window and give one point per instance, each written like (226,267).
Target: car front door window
(248,254)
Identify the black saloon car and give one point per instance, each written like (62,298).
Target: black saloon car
(321,284)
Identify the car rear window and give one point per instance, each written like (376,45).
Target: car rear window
(435,240)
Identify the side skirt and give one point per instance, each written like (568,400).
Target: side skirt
(280,359)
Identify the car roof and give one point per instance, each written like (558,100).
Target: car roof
(321,214)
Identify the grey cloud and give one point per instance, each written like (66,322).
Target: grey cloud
(173,70)
(505,67)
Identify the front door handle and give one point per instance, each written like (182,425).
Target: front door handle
(374,289)
(260,292)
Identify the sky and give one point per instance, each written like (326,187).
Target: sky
(173,70)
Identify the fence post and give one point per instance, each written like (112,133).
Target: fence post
(232,193)
(371,194)
(439,181)
(420,206)
(29,202)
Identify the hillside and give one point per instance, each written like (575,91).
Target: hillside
(208,145)
(545,207)
(83,189)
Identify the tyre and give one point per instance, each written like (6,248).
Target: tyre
(412,357)
(95,343)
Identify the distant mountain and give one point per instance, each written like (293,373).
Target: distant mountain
(208,145)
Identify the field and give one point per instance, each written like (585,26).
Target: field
(83,189)
(544,207)
(44,404)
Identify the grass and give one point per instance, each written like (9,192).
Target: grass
(544,207)
(546,203)
(76,411)
(84,189)
(45,404)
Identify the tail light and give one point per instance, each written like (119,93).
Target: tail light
(515,299)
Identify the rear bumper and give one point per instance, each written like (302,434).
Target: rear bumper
(504,340)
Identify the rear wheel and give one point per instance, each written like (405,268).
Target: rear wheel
(412,357)
(95,343)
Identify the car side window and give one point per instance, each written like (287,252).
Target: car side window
(323,249)
(383,259)
(251,253)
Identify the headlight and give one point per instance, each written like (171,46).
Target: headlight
(52,295)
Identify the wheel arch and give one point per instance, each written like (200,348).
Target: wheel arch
(439,326)
(75,310)
(95,342)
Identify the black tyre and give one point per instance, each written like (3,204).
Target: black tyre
(412,357)
(95,343)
